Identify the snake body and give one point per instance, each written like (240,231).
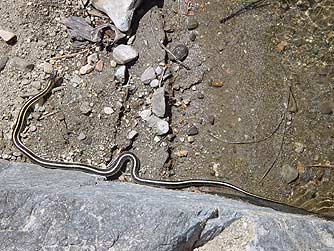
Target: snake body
(114,167)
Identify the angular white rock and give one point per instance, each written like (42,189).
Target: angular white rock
(119,11)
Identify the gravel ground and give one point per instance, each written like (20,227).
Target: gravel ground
(236,89)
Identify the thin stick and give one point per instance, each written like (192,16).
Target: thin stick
(69,55)
(164,47)
(252,141)
(252,6)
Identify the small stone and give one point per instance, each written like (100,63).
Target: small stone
(17,154)
(159,102)
(299,147)
(192,130)
(113,63)
(36,85)
(47,68)
(154,83)
(190,139)
(180,52)
(156,139)
(108,110)
(200,95)
(145,114)
(86,69)
(92,59)
(33,128)
(81,136)
(192,23)
(132,134)
(124,54)
(181,153)
(192,36)
(326,108)
(216,84)
(3,62)
(289,173)
(99,65)
(85,108)
(162,127)
(281,46)
(75,80)
(8,36)
(120,73)
(211,119)
(158,70)
(148,75)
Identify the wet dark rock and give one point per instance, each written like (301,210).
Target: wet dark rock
(192,23)
(289,173)
(180,52)
(192,130)
(326,108)
(3,62)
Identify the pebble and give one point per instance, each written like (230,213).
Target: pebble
(192,130)
(81,136)
(148,75)
(190,139)
(159,102)
(85,108)
(75,80)
(86,69)
(216,84)
(99,65)
(156,139)
(124,54)
(120,74)
(113,63)
(145,114)
(299,147)
(132,134)
(162,127)
(192,36)
(289,173)
(92,59)
(36,85)
(3,62)
(200,95)
(154,83)
(158,70)
(108,110)
(47,68)
(192,23)
(33,128)
(8,36)
(180,52)
(181,153)
(326,108)
(211,119)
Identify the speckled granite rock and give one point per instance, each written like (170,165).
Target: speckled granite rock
(44,209)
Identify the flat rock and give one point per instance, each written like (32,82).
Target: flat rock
(124,54)
(70,210)
(289,173)
(7,36)
(120,73)
(159,102)
(3,62)
(148,75)
(120,12)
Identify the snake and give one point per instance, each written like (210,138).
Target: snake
(114,168)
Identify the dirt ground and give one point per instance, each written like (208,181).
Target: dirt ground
(237,88)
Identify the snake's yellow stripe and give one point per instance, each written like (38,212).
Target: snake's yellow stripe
(113,169)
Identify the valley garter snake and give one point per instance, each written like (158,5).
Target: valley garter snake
(114,167)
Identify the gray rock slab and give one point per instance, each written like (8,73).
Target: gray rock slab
(124,54)
(159,102)
(44,209)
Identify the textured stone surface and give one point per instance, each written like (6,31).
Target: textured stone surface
(120,12)
(42,209)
